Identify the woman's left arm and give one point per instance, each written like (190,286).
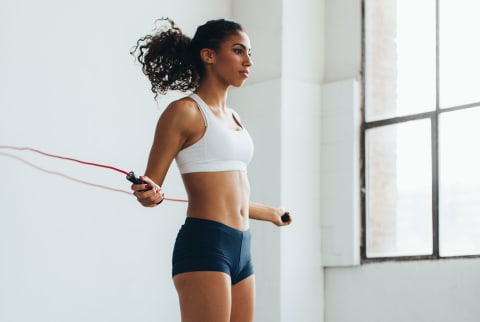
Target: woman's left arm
(267,213)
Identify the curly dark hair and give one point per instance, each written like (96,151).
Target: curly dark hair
(171,60)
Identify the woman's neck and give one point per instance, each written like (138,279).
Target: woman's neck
(215,97)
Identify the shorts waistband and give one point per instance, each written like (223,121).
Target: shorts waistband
(213,223)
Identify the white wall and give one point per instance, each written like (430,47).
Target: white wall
(281,106)
(70,252)
(443,291)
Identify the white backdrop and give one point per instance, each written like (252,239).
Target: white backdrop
(68,86)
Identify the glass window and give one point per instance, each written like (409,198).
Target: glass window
(400,60)
(421,173)
(459,183)
(399,182)
(459,52)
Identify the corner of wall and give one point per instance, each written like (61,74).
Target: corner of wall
(340,173)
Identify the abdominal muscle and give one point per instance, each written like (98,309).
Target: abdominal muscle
(220,196)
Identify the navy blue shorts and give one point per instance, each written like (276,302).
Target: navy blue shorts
(206,245)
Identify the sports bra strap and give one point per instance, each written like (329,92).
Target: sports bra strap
(201,106)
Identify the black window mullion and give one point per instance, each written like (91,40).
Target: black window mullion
(435,187)
(435,134)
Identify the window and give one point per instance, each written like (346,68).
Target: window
(421,159)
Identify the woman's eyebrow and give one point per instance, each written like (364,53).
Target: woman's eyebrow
(240,44)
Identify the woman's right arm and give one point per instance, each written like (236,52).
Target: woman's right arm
(175,128)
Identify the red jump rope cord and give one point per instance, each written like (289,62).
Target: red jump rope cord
(76,160)
(63,158)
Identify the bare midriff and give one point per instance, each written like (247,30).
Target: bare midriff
(220,196)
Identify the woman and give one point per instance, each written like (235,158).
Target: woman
(212,269)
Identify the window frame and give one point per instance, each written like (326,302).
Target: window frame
(434,116)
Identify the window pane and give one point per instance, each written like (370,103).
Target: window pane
(459,52)
(459,183)
(400,51)
(399,190)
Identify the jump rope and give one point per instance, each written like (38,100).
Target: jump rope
(130,175)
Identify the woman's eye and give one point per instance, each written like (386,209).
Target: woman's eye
(237,51)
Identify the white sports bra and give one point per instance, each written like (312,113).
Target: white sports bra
(219,149)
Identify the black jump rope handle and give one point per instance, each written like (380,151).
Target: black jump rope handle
(286,217)
(133,179)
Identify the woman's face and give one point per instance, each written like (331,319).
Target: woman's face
(232,60)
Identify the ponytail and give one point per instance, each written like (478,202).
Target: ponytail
(166,59)
(171,60)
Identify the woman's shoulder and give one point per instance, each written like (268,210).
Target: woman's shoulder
(184,105)
(183,110)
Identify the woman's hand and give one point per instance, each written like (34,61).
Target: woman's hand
(148,194)
(272,214)
(282,217)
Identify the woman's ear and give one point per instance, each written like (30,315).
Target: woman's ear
(207,55)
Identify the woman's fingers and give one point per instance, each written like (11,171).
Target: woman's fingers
(149,194)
